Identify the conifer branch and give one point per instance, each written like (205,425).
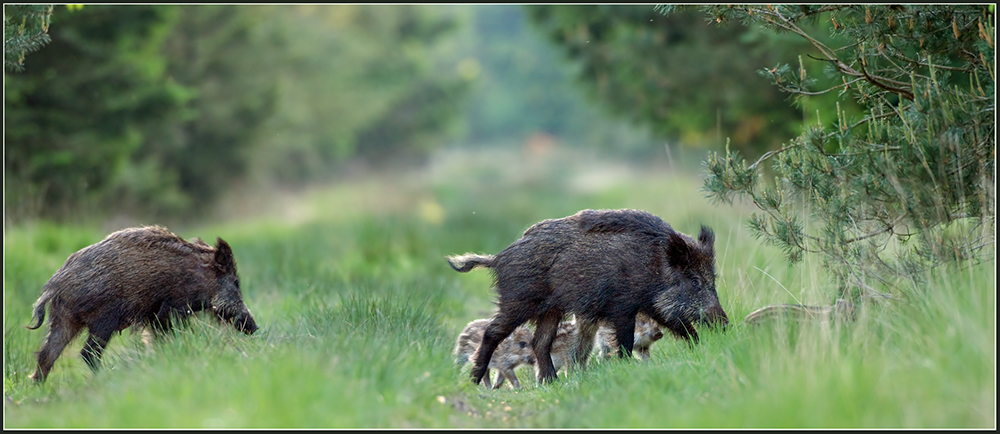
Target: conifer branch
(879,82)
(928,163)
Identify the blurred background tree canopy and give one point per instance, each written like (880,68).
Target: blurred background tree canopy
(159,110)
(680,75)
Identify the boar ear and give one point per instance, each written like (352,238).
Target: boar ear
(224,260)
(707,238)
(679,253)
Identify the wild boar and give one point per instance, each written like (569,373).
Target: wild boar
(646,333)
(145,277)
(511,353)
(602,266)
(564,345)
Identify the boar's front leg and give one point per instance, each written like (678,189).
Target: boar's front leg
(168,313)
(625,335)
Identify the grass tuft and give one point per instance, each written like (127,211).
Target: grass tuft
(359,312)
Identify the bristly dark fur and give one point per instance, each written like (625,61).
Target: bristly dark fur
(145,277)
(603,266)
(623,221)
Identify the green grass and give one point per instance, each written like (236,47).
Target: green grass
(359,311)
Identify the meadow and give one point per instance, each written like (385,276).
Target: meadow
(359,312)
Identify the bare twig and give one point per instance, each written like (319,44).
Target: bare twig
(878,232)
(930,65)
(769,154)
(839,86)
(876,81)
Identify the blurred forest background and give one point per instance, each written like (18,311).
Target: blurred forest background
(344,150)
(156,112)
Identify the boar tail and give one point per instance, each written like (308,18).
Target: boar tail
(39,314)
(465,263)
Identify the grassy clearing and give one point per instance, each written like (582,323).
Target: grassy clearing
(359,311)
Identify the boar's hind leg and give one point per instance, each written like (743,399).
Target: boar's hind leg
(98,339)
(541,344)
(500,327)
(61,332)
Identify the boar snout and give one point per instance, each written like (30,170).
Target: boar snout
(241,321)
(715,316)
(246,325)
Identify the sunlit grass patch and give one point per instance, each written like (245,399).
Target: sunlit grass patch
(359,311)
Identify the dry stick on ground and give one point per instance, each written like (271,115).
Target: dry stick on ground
(842,312)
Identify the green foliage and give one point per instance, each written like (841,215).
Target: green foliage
(210,51)
(91,99)
(357,81)
(520,89)
(683,79)
(25,30)
(157,111)
(359,311)
(910,185)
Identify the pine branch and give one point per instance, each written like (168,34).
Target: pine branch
(878,232)
(30,35)
(787,24)
(878,81)
(926,163)
(899,56)
(767,155)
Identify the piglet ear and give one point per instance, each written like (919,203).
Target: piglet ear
(224,260)
(679,253)
(707,239)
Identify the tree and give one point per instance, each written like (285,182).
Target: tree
(422,114)
(157,110)
(25,30)
(908,186)
(90,99)
(519,91)
(217,53)
(677,75)
(356,81)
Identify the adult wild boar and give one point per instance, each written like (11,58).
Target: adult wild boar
(602,265)
(139,276)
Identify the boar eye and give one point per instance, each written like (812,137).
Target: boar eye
(522,344)
(237,282)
